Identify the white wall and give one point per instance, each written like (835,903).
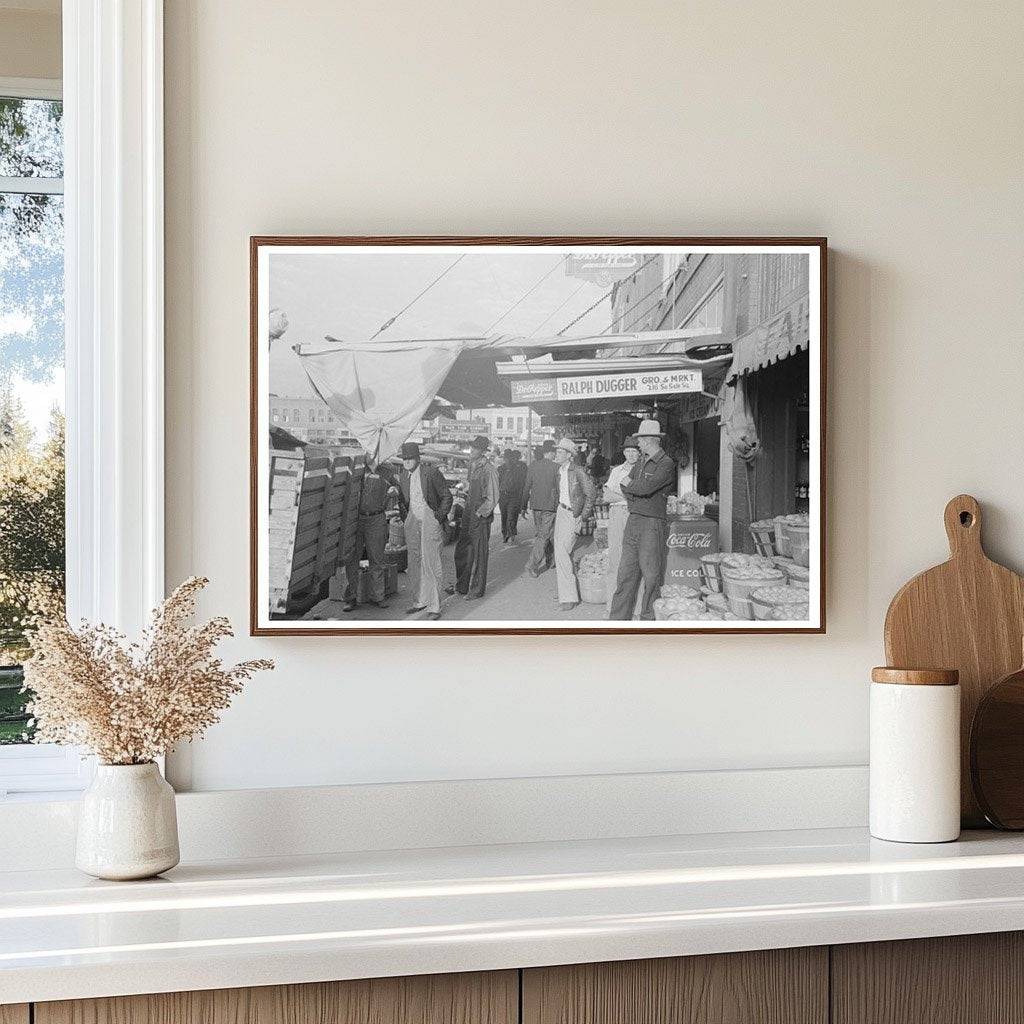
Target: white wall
(30,39)
(895,129)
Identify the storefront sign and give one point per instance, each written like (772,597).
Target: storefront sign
(612,385)
(460,430)
(602,267)
(529,390)
(616,385)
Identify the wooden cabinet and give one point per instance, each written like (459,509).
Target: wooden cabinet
(962,979)
(970,979)
(482,998)
(776,986)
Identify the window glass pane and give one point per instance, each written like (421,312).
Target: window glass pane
(31,433)
(31,142)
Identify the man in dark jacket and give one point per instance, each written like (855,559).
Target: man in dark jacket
(596,464)
(644,541)
(473,546)
(371,536)
(427,498)
(540,493)
(511,481)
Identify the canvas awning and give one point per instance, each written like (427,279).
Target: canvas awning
(380,390)
(568,367)
(785,334)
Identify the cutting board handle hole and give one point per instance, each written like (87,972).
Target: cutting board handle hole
(966,519)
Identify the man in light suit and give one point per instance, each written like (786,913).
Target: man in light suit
(428,498)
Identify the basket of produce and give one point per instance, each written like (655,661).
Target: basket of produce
(796,530)
(797,575)
(710,569)
(781,540)
(595,561)
(763,534)
(738,558)
(718,608)
(397,556)
(591,576)
(677,609)
(791,601)
(702,616)
(679,591)
(790,613)
(740,581)
(396,533)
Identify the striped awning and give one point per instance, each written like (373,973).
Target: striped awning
(782,335)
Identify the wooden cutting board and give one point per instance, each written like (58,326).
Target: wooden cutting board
(997,752)
(967,614)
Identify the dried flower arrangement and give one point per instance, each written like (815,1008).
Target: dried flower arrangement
(130,703)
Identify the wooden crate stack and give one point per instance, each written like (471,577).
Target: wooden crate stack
(314,503)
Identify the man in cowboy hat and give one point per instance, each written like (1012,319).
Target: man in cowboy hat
(576,493)
(540,492)
(473,545)
(428,498)
(646,491)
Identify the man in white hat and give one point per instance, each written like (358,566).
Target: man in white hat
(643,542)
(576,494)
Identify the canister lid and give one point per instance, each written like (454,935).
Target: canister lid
(916,676)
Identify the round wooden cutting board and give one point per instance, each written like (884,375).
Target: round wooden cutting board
(967,614)
(997,753)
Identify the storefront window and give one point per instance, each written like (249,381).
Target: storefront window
(781,278)
(710,312)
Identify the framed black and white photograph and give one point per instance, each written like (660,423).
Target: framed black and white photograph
(537,435)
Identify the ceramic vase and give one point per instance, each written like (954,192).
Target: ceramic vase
(127,825)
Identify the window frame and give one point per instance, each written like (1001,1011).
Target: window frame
(112,90)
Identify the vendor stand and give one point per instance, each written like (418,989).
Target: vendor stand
(689,538)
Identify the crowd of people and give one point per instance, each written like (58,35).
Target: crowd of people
(558,489)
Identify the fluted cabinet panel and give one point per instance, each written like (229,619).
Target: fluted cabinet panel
(479,998)
(961,979)
(777,986)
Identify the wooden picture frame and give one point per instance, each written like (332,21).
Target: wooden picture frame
(764,328)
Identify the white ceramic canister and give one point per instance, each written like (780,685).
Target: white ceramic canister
(915,755)
(127,825)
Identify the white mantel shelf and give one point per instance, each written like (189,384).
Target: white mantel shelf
(263,922)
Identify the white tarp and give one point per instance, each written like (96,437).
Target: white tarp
(379,400)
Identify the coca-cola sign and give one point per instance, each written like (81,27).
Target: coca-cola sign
(689,540)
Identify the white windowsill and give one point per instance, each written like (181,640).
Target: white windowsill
(42,771)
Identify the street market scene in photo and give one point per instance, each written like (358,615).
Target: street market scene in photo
(502,436)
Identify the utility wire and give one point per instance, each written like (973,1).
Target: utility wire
(558,308)
(633,305)
(524,297)
(387,323)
